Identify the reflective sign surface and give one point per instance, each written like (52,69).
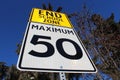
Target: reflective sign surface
(49,48)
(50,17)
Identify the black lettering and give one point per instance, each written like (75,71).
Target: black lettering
(48,13)
(50,49)
(56,22)
(57,30)
(41,16)
(48,29)
(49,17)
(58,15)
(42,28)
(61,20)
(35,26)
(70,32)
(64,31)
(44,20)
(40,12)
(60,47)
(49,21)
(53,29)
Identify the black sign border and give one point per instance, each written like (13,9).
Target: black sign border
(51,70)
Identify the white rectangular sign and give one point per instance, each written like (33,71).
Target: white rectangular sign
(49,48)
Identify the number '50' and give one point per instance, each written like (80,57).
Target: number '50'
(50,48)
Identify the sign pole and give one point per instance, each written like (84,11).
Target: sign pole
(62,76)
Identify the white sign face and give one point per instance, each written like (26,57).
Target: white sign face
(49,48)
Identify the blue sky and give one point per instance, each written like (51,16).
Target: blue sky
(14,16)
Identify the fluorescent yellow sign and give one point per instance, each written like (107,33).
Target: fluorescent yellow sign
(50,17)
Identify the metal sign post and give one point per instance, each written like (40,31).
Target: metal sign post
(62,76)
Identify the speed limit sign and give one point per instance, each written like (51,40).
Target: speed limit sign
(50,48)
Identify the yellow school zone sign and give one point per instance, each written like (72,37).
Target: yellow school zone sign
(50,17)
